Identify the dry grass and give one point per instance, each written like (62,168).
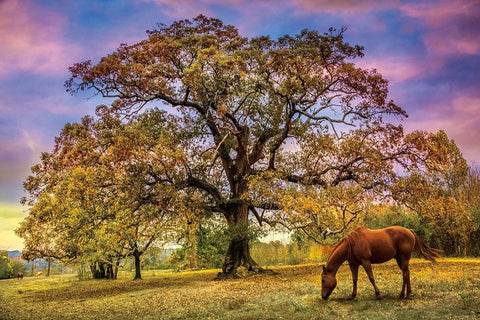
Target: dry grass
(448,290)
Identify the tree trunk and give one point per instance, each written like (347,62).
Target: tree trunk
(98,270)
(192,246)
(136,255)
(110,271)
(115,270)
(102,271)
(93,270)
(48,267)
(238,253)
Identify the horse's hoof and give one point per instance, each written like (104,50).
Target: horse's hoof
(378,297)
(352,297)
(404,296)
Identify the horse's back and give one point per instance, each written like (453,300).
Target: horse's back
(402,237)
(384,244)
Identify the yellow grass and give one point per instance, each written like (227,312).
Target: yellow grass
(447,290)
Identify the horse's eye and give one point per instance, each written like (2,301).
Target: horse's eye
(323,281)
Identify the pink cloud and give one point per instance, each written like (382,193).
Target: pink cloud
(393,68)
(32,40)
(435,14)
(344,6)
(459,117)
(468,105)
(19,154)
(452,26)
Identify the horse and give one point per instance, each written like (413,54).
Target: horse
(364,247)
(19,275)
(39,273)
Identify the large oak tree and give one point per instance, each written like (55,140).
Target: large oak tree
(246,104)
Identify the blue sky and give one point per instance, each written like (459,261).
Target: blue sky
(429,50)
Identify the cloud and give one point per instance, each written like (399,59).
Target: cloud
(458,116)
(394,69)
(19,154)
(344,6)
(451,26)
(33,40)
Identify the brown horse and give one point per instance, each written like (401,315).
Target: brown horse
(364,247)
(19,275)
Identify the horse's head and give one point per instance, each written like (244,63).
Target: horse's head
(328,283)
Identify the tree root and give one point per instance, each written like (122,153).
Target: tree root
(243,272)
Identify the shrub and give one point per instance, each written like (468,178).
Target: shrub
(6,270)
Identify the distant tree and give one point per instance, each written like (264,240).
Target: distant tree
(245,104)
(204,243)
(6,270)
(470,194)
(18,266)
(213,242)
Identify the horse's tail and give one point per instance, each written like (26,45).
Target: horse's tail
(428,253)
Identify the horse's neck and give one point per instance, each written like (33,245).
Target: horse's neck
(338,256)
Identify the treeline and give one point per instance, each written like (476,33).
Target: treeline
(443,209)
(445,213)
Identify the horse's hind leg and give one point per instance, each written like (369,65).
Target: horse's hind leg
(368,269)
(403,264)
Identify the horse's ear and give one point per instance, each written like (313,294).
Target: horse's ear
(323,269)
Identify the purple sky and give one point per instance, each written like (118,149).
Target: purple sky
(429,50)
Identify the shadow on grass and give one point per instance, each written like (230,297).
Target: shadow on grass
(94,289)
(384,298)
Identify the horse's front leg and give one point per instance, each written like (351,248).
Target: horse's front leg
(368,269)
(354,270)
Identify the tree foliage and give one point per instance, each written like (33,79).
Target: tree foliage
(6,270)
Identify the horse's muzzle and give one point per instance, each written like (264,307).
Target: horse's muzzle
(325,296)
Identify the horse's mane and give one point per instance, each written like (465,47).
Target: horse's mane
(349,238)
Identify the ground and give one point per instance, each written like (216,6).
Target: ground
(447,290)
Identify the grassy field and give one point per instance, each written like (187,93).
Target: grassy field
(447,290)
